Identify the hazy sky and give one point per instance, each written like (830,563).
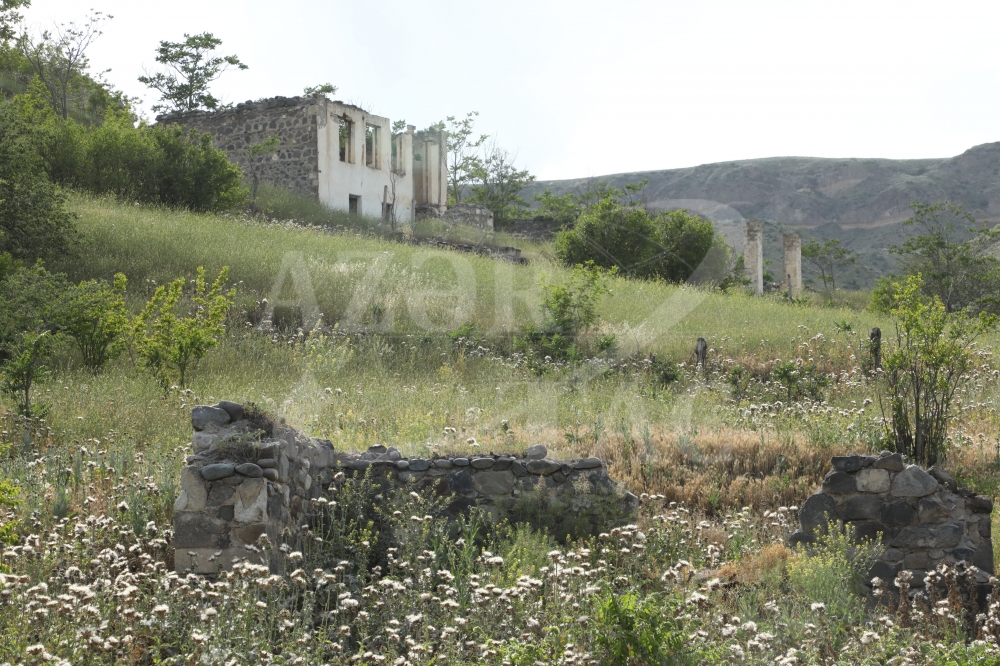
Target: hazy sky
(590,88)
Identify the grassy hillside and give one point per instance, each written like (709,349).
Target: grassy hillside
(704,573)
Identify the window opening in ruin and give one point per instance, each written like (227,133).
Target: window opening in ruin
(346,127)
(354,204)
(371,146)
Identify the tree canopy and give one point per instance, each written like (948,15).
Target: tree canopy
(191,67)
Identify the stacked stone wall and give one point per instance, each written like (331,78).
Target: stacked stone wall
(238,485)
(922,518)
(295,164)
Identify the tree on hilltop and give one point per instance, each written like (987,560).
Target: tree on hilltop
(191,69)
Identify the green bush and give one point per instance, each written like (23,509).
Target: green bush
(638,630)
(33,218)
(672,246)
(159,164)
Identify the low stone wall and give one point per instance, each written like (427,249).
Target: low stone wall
(249,477)
(473,215)
(922,517)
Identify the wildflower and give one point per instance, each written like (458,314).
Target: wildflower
(161,609)
(122,506)
(818,607)
(35,650)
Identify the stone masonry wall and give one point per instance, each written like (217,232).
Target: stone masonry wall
(238,485)
(922,517)
(293,120)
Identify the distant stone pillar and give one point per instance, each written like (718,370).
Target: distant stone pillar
(793,264)
(753,254)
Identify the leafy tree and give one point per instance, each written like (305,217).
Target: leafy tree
(498,184)
(171,343)
(929,362)
(30,300)
(565,208)
(59,58)
(94,315)
(9,18)
(670,245)
(321,89)
(191,68)
(953,256)
(828,260)
(464,160)
(33,219)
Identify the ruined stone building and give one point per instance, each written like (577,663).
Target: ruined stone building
(337,153)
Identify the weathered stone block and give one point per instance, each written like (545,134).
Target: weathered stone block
(892,555)
(917,560)
(931,510)
(203,416)
(227,512)
(444,463)
(868,530)
(913,482)
(251,507)
(420,465)
(460,462)
(194,487)
(502,463)
(248,534)
(863,507)
(203,442)
(846,463)
(817,511)
(839,483)
(979,504)
(461,482)
(251,470)
(197,530)
(217,471)
(887,572)
(985,526)
(944,478)
(494,483)
(402,465)
(984,556)
(220,494)
(270,474)
(234,409)
(482,463)
(536,452)
(589,463)
(872,480)
(930,536)
(897,513)
(892,462)
(267,463)
(543,467)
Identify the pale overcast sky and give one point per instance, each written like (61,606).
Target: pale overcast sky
(588,88)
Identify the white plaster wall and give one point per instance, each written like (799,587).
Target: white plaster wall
(338,181)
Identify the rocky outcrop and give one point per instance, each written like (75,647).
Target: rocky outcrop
(921,516)
(250,477)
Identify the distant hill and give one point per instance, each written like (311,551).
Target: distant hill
(860,200)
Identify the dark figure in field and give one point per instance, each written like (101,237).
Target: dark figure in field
(701,351)
(875,338)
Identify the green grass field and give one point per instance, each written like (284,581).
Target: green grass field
(383,368)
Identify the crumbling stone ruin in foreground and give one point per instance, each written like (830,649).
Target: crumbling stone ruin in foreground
(922,517)
(250,477)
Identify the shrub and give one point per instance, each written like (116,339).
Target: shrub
(929,362)
(569,310)
(669,246)
(171,344)
(95,317)
(832,571)
(33,218)
(640,631)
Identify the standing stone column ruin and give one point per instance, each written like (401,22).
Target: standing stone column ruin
(753,254)
(793,264)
